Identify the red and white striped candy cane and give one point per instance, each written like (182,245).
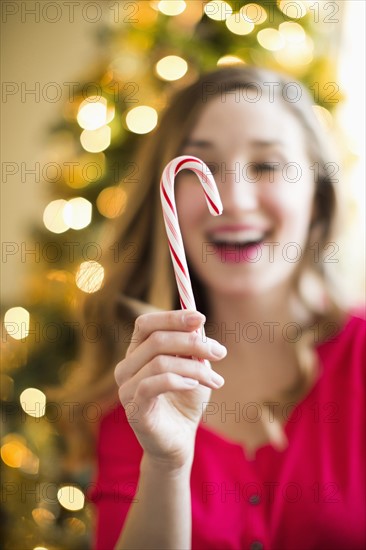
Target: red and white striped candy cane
(171,218)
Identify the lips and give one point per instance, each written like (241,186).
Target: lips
(238,244)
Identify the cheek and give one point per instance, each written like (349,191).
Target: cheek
(291,205)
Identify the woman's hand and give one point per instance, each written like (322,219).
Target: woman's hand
(163,388)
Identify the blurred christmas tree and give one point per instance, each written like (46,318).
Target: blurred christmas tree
(150,49)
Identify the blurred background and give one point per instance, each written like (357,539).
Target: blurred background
(82,83)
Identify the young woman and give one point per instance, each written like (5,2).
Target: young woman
(261,446)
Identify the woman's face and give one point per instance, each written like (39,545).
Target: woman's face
(257,153)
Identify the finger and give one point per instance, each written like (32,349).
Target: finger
(182,320)
(162,364)
(149,390)
(168,343)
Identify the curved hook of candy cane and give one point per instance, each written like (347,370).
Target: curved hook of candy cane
(170,215)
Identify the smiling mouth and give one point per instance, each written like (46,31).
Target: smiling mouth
(238,246)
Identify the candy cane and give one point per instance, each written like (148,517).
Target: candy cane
(171,219)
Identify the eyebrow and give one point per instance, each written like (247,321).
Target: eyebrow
(198,143)
(259,144)
(264,143)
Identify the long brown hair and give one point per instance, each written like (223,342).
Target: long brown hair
(143,279)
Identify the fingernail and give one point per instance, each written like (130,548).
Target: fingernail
(217,349)
(191,319)
(217,380)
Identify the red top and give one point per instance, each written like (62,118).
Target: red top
(309,496)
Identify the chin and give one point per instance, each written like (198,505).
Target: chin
(237,289)
(245,286)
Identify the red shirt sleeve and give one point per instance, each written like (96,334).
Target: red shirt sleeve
(119,455)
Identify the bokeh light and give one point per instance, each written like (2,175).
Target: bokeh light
(292,32)
(271,39)
(15,454)
(75,526)
(218,10)
(53,217)
(229,60)
(293,55)
(33,402)
(238,25)
(171,67)
(97,140)
(16,322)
(89,277)
(94,113)
(71,497)
(172,7)
(77,213)
(43,517)
(111,202)
(12,450)
(142,119)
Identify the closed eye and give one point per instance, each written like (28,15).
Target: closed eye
(258,167)
(268,166)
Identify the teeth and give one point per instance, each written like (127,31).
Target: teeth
(238,237)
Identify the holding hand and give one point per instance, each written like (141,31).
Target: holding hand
(167,386)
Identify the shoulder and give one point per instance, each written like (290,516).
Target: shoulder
(350,332)
(356,327)
(344,353)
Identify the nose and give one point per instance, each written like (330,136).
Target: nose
(238,192)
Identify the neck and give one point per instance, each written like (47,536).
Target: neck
(259,333)
(271,305)
(251,322)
